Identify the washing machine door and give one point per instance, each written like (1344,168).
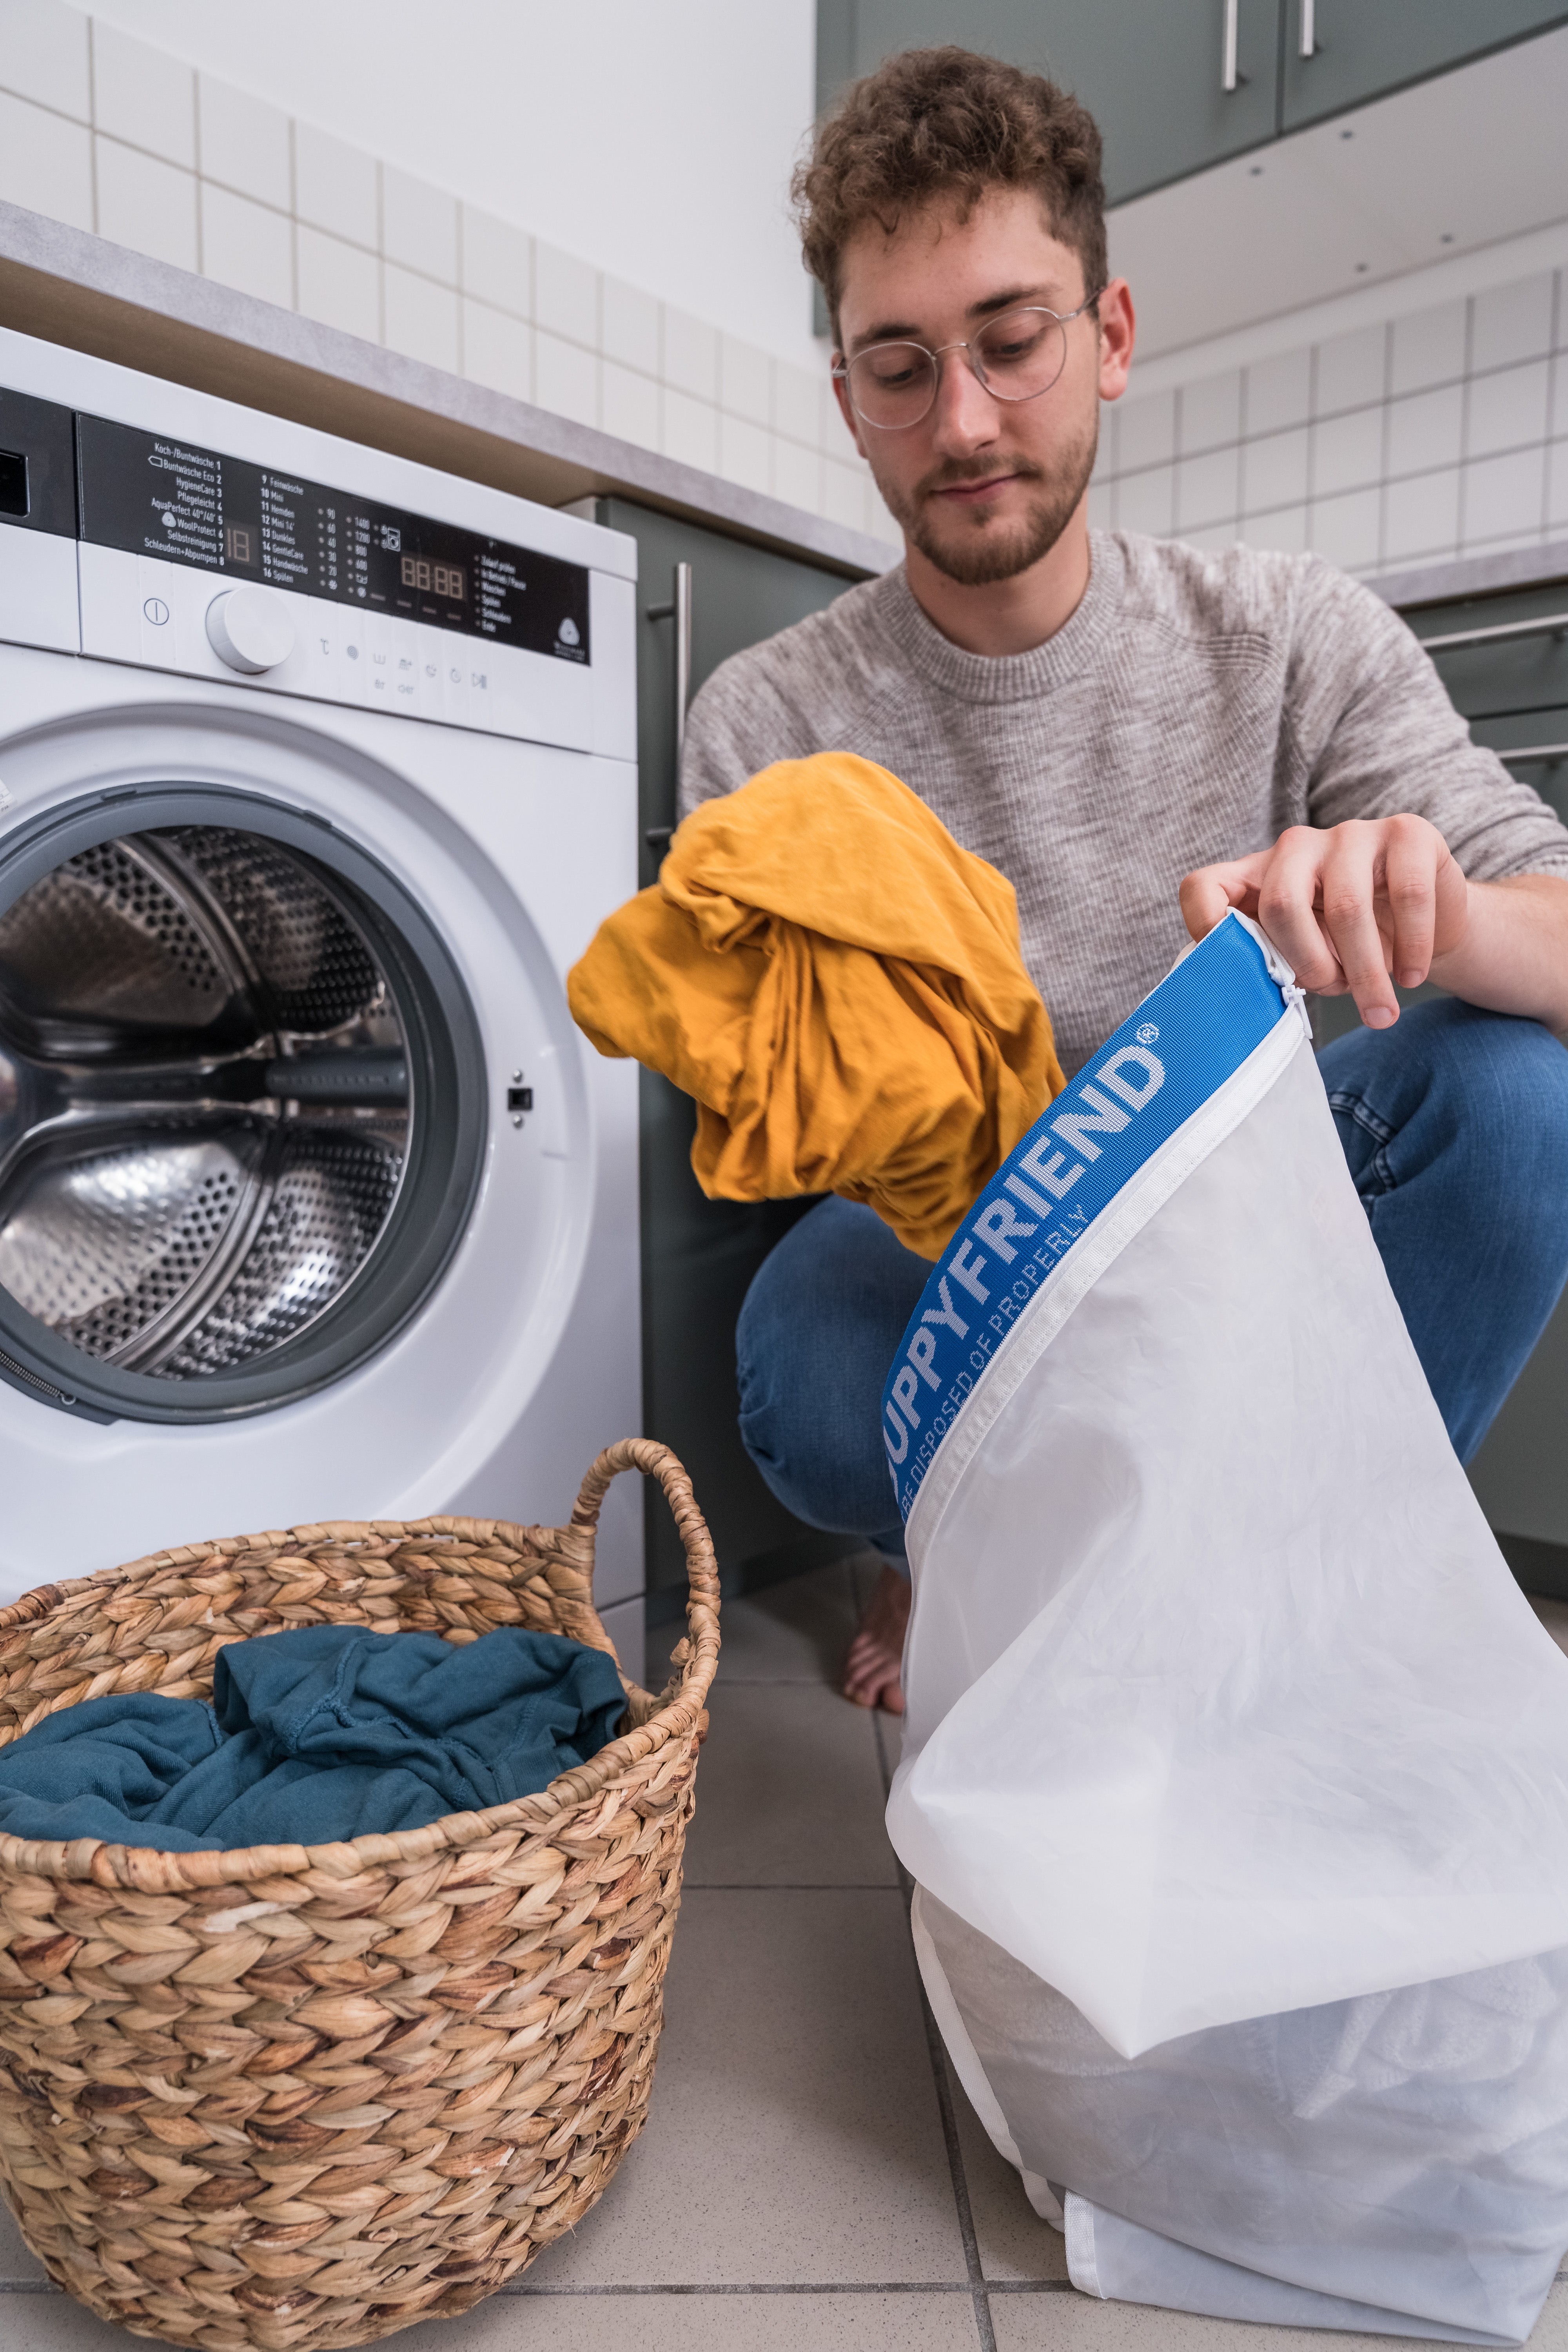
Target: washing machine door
(241,1105)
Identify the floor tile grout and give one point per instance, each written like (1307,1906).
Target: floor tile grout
(800,2287)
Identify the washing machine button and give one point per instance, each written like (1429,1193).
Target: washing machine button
(251,629)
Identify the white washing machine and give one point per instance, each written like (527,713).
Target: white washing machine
(317,772)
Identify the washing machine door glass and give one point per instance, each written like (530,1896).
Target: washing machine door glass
(241,1107)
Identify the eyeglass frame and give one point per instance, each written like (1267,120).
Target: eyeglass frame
(1013,399)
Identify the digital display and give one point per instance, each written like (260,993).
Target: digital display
(164,498)
(441,579)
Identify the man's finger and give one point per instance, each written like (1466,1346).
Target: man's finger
(1287,909)
(1412,850)
(1209,892)
(1349,886)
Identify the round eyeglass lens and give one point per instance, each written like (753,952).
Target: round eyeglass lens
(1015,357)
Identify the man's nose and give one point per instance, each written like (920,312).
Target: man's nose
(963,413)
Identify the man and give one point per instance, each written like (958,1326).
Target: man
(1101,716)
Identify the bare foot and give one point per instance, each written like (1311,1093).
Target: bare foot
(872,1669)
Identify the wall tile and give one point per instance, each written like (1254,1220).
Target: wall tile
(498,350)
(1350,371)
(1511,322)
(1558,421)
(844,494)
(243,143)
(1213,536)
(745,379)
(1421,516)
(1101,507)
(419,317)
(418,225)
(1210,411)
(1108,443)
(1557,486)
(1507,410)
(1428,347)
(339,284)
(629,404)
(565,377)
(143,96)
(46,163)
(795,402)
(797,476)
(690,429)
(566,296)
(743,451)
(1274,470)
(147,205)
(1285,528)
(1278,393)
(1504,495)
(1345,530)
(690,354)
(498,262)
(43,56)
(1145,502)
(1207,490)
(336,186)
(247,245)
(1426,430)
(1347,451)
(1147,431)
(630,326)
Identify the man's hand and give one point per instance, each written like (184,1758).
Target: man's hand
(1348,907)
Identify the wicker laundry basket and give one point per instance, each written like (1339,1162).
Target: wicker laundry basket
(299,2097)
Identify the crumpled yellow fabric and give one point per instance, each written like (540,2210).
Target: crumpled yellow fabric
(839,986)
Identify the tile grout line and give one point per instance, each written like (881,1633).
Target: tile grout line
(783,2286)
(937,2052)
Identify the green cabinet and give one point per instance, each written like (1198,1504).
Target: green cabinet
(1177,85)
(698,1256)
(1340,53)
(1154,76)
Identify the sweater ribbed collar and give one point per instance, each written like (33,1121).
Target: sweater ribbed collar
(1003,677)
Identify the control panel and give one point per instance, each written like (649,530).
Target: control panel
(142,547)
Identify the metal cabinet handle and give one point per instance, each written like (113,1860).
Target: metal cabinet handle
(678,609)
(1308,28)
(1228,76)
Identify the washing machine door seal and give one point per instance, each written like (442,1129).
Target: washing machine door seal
(242,1105)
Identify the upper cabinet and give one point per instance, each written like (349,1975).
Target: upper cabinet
(1172,84)
(1176,85)
(1340,53)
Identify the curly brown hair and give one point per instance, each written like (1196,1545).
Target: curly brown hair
(945,123)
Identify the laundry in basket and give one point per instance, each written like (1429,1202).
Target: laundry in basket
(1235,1777)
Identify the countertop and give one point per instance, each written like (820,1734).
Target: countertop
(71,288)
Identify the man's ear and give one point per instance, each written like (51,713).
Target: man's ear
(845,407)
(1116,328)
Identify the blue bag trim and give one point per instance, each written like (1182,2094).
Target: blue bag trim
(1204,1018)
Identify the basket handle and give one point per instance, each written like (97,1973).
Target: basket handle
(656,1460)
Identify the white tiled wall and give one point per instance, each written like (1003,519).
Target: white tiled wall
(103,131)
(1437,433)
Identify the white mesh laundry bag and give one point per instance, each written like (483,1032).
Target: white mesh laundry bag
(1234,1779)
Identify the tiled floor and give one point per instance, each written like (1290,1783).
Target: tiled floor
(811,2179)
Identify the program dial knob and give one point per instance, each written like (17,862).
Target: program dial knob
(251,629)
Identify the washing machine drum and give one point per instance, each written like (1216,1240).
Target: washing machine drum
(241,1110)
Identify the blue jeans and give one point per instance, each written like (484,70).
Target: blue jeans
(1455,1128)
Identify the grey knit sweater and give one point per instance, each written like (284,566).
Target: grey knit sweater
(1193,707)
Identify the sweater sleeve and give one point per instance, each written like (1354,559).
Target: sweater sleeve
(1380,736)
(742,721)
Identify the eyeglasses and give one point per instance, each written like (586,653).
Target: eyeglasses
(1015,356)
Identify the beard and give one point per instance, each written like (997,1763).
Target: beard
(976,549)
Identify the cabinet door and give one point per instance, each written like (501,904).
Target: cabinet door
(698,1256)
(1364,48)
(1152,77)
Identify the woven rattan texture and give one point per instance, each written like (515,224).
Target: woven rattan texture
(300,2097)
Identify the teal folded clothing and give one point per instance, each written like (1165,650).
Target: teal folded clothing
(321,1733)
